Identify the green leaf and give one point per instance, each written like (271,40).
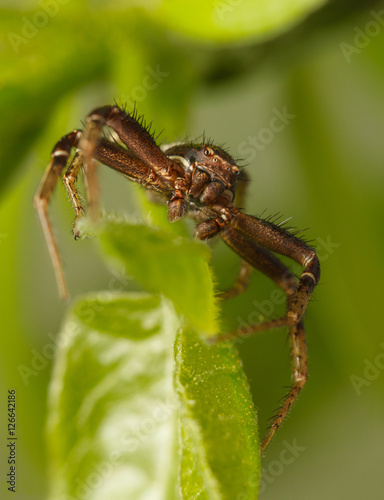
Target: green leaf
(114,416)
(220,447)
(111,423)
(230,20)
(175,266)
(131,416)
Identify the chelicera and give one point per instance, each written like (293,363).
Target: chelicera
(199,180)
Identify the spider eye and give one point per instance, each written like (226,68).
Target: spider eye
(214,159)
(207,152)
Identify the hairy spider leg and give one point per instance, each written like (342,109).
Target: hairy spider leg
(112,156)
(282,242)
(60,155)
(142,144)
(266,262)
(300,375)
(119,159)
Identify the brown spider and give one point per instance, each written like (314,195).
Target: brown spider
(198,180)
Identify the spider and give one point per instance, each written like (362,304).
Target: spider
(199,180)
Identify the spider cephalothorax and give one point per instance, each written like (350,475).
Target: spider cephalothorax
(199,180)
(207,187)
(219,166)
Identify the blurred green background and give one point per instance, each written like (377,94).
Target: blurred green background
(295,91)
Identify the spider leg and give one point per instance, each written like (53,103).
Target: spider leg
(60,155)
(119,159)
(266,262)
(300,375)
(69,180)
(280,241)
(108,153)
(142,145)
(263,260)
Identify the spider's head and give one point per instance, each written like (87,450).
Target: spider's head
(206,157)
(216,162)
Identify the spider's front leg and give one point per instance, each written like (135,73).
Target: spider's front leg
(139,141)
(251,231)
(282,242)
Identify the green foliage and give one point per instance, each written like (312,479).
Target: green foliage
(116,427)
(183,275)
(219,440)
(111,423)
(236,20)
